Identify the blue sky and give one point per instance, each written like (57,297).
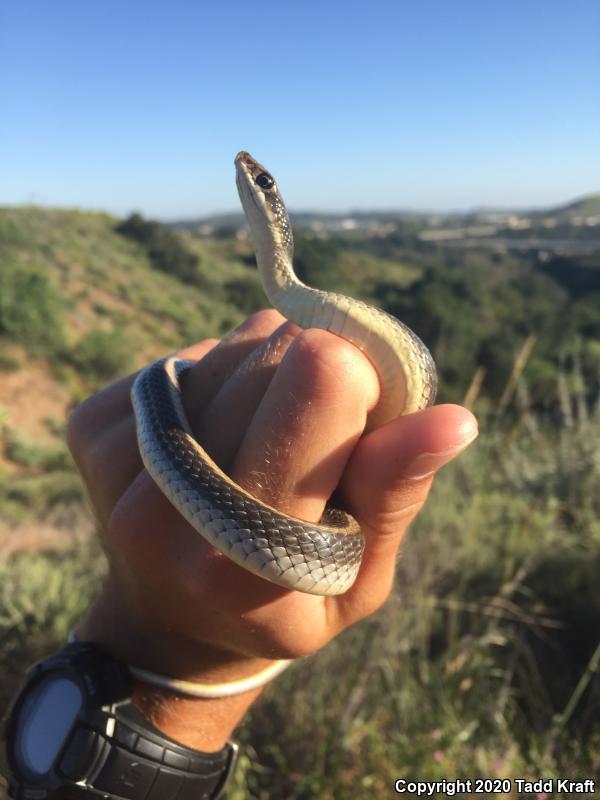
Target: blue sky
(436,104)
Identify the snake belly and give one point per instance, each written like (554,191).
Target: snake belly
(324,558)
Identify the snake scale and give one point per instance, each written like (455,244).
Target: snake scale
(323,558)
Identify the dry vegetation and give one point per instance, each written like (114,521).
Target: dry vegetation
(485,660)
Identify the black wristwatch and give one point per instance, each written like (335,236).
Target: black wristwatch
(72,727)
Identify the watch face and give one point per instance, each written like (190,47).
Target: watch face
(42,724)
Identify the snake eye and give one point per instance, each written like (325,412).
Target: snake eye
(264,180)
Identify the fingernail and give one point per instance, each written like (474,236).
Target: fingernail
(426,464)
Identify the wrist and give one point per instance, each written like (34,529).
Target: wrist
(203,723)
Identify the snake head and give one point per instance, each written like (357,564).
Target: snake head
(255,172)
(263,206)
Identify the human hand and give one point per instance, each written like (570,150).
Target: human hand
(281,411)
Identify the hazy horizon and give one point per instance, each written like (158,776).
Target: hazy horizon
(316,211)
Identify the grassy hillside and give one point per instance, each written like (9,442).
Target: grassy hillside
(485,661)
(588,206)
(106,281)
(80,305)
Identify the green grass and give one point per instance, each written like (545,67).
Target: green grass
(40,597)
(31,498)
(482,662)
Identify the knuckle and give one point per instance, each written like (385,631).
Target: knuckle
(392,518)
(404,515)
(258,325)
(75,428)
(265,319)
(198,350)
(81,427)
(334,364)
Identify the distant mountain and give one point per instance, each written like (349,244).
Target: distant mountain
(231,219)
(575,212)
(236,219)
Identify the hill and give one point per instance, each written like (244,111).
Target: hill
(584,207)
(81,304)
(485,660)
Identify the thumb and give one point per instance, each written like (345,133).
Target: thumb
(385,485)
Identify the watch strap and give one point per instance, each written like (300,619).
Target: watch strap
(136,764)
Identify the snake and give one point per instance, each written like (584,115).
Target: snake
(317,558)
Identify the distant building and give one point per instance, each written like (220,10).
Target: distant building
(516,223)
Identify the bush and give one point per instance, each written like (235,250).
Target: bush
(20,450)
(316,262)
(31,309)
(11,233)
(164,247)
(103,354)
(33,497)
(246,294)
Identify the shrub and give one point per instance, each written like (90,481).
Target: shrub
(31,309)
(316,262)
(20,450)
(11,233)
(246,294)
(103,354)
(165,249)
